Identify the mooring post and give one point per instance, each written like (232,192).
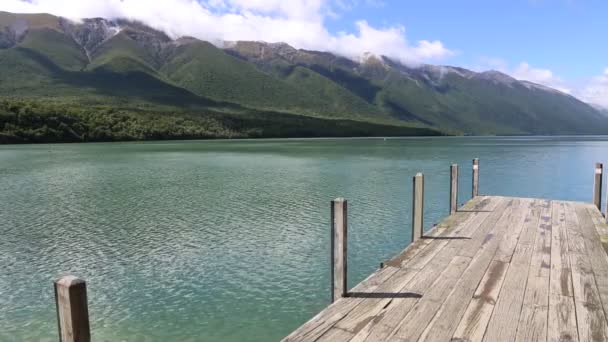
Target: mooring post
(338,248)
(418,207)
(606,212)
(72,311)
(597,186)
(475,177)
(453,188)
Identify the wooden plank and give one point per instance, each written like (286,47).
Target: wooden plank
(601,226)
(472,239)
(424,310)
(422,282)
(447,319)
(389,320)
(325,319)
(562,319)
(385,322)
(599,258)
(505,316)
(377,301)
(473,324)
(511,241)
(561,278)
(598,220)
(562,312)
(590,317)
(336,334)
(576,240)
(513,215)
(370,308)
(442,312)
(462,224)
(474,205)
(540,266)
(462,231)
(532,324)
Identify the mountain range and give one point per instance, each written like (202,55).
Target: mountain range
(98,79)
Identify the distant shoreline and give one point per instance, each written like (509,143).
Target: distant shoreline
(387,138)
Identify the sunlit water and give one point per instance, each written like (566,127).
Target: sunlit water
(229,240)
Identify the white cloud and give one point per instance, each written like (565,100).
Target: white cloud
(300,23)
(593,90)
(390,42)
(525,72)
(541,76)
(596,91)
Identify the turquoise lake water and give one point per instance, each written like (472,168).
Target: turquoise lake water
(229,240)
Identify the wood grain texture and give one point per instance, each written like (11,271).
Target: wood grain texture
(324,320)
(590,313)
(474,322)
(453,188)
(72,309)
(505,317)
(562,313)
(453,308)
(597,185)
(601,226)
(418,207)
(339,210)
(425,309)
(534,315)
(475,178)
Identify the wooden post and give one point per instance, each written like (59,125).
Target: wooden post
(418,207)
(338,248)
(475,177)
(453,188)
(597,186)
(72,311)
(606,213)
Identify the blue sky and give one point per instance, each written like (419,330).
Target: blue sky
(570,38)
(559,43)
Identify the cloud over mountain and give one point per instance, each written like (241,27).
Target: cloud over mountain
(596,91)
(301,23)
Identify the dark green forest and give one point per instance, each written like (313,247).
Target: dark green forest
(28,121)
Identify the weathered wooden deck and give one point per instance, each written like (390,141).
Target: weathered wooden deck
(499,269)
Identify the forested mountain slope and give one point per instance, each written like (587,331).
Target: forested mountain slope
(123,80)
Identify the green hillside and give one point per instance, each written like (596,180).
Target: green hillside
(451,99)
(118,80)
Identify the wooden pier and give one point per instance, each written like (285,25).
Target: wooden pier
(497,269)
